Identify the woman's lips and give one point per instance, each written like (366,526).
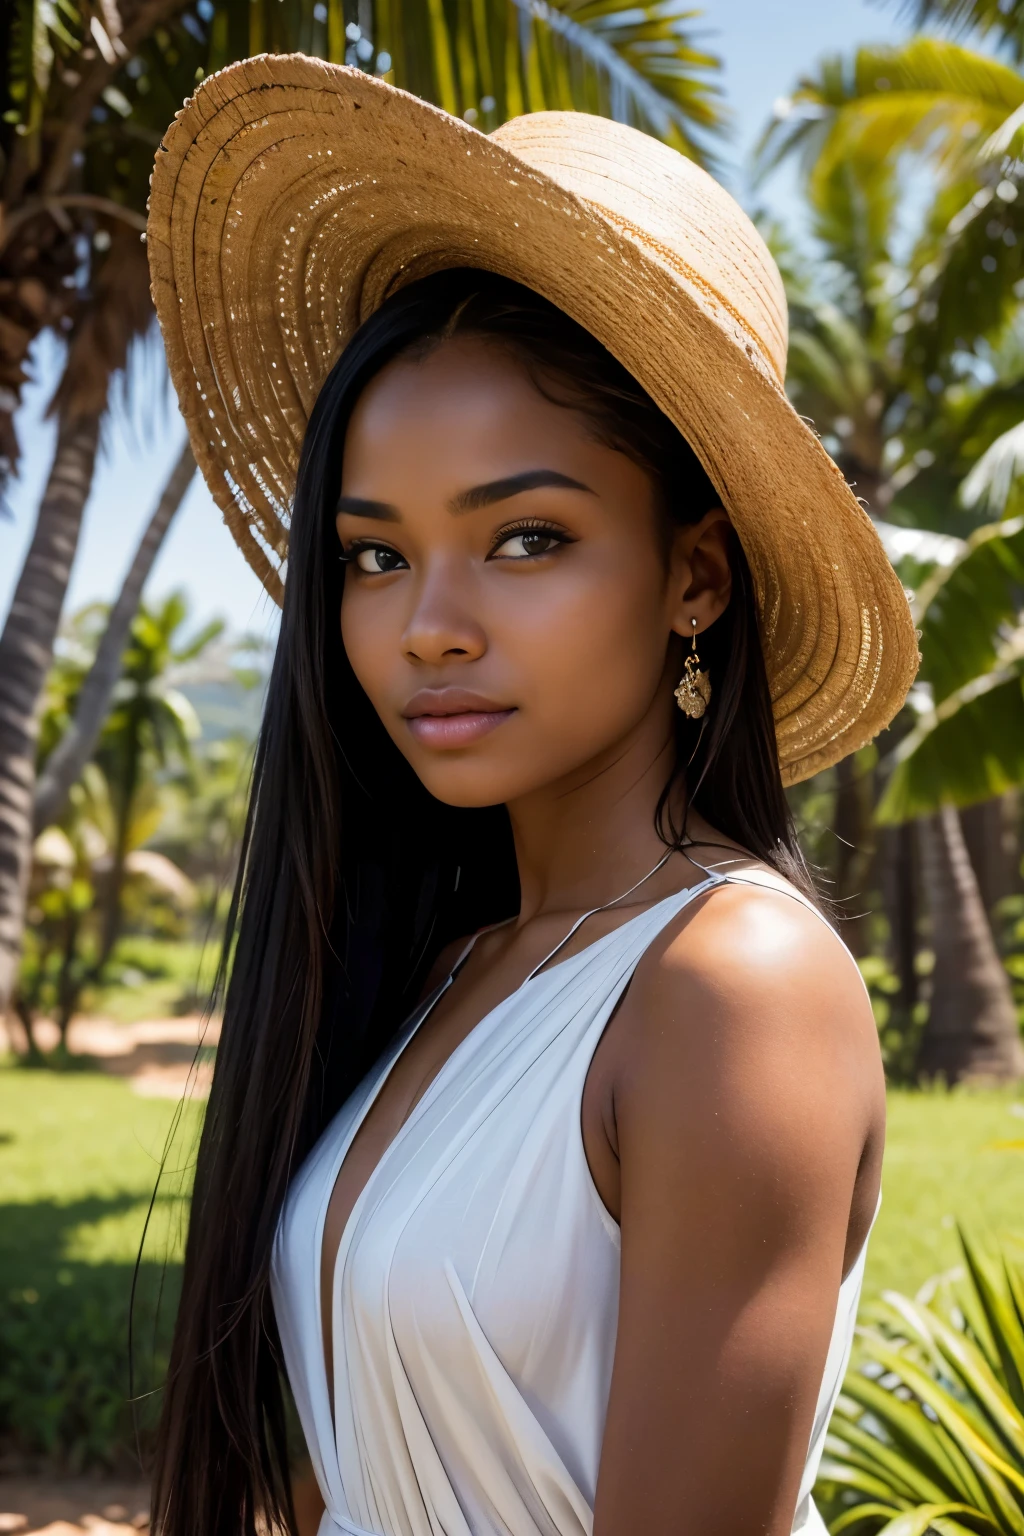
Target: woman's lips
(452,717)
(457,730)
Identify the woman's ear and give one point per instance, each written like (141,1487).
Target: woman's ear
(700,574)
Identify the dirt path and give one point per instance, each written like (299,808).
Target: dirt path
(33,1507)
(157,1057)
(29,1507)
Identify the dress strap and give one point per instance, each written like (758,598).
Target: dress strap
(467,949)
(770,880)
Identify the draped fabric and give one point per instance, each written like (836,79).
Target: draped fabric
(476,1285)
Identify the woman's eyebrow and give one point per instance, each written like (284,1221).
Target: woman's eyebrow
(469,501)
(513,485)
(358,506)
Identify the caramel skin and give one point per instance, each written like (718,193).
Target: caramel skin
(733,1114)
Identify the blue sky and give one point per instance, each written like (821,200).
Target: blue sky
(765,46)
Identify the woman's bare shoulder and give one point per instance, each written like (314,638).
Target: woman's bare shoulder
(757,942)
(751,1000)
(758,929)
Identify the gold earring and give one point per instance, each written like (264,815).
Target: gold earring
(694,692)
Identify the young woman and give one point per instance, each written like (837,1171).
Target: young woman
(546,1131)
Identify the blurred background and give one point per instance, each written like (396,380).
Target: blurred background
(880,148)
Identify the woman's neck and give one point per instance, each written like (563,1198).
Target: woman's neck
(582,840)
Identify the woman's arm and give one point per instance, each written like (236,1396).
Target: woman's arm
(749,1113)
(307,1499)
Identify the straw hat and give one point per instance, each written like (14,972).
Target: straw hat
(291,197)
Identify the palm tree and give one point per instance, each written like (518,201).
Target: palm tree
(848,378)
(117,311)
(69,170)
(73,751)
(87,107)
(873,365)
(142,764)
(961,111)
(73,182)
(151,725)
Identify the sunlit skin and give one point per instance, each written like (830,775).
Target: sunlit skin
(521,644)
(475,603)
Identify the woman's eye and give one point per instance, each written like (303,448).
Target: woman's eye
(376,559)
(529,541)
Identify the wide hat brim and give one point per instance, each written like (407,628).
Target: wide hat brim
(290,197)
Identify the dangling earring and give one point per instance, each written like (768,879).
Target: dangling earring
(694,692)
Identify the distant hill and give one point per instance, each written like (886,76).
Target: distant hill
(226,686)
(226,707)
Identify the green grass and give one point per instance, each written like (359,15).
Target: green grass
(79,1154)
(949,1156)
(78,1159)
(154,978)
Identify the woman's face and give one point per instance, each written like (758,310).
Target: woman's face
(509,606)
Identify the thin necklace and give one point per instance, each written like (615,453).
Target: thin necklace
(603,908)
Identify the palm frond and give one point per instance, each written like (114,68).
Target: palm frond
(828,356)
(975,418)
(994,483)
(850,126)
(1002,18)
(969,746)
(965,608)
(853,207)
(489,60)
(969,262)
(645,65)
(930,94)
(116,315)
(39,32)
(1007,138)
(968,749)
(928,1434)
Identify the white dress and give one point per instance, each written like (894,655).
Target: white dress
(476,1285)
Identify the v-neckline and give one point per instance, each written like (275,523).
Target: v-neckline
(405,1039)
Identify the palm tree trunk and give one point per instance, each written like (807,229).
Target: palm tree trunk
(972,1029)
(69,981)
(124,802)
(22,1011)
(855,839)
(73,751)
(26,651)
(899,898)
(991,835)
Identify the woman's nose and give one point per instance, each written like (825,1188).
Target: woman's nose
(442,626)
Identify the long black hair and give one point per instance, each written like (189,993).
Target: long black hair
(352,878)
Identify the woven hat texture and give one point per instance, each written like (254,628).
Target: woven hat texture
(290,197)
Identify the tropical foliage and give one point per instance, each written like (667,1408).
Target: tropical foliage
(907,355)
(1001,19)
(969,745)
(114,866)
(928,1435)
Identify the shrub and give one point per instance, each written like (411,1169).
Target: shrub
(78,1161)
(928,1434)
(64,1384)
